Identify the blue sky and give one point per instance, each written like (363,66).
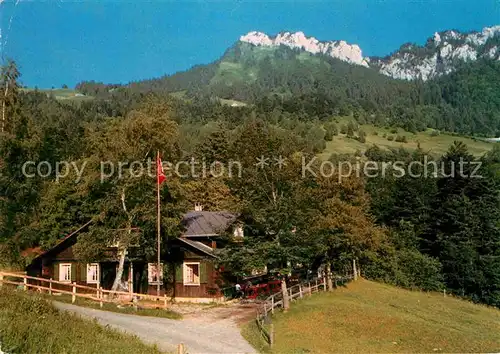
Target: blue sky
(63,42)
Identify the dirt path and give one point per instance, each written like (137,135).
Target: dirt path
(236,313)
(213,330)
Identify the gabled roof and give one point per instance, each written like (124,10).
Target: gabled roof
(199,246)
(63,241)
(207,223)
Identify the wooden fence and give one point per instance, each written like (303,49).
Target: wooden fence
(97,294)
(295,292)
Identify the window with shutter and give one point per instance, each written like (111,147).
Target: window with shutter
(65,272)
(92,273)
(191,273)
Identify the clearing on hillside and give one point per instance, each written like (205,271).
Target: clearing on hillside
(369,317)
(431,141)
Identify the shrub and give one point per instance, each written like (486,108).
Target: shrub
(407,268)
(420,271)
(435,133)
(353,126)
(394,131)
(350,132)
(362,136)
(390,138)
(401,139)
(330,131)
(375,132)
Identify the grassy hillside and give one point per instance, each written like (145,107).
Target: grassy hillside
(31,325)
(429,141)
(368,317)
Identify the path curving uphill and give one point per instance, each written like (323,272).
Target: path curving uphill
(198,335)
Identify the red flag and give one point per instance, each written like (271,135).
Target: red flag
(160,174)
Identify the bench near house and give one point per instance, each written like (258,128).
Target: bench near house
(190,264)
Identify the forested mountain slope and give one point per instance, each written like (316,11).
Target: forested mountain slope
(465,100)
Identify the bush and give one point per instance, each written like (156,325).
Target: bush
(401,139)
(375,132)
(330,131)
(328,136)
(343,129)
(390,138)
(362,137)
(394,131)
(407,268)
(353,126)
(435,133)
(419,270)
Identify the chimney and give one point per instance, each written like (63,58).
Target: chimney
(198,207)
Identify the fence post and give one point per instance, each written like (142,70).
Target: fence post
(25,281)
(73,296)
(1,279)
(50,286)
(180,348)
(317,284)
(164,300)
(101,295)
(300,290)
(309,287)
(272,304)
(271,335)
(324,283)
(354,271)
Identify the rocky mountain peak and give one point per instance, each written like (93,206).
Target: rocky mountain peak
(342,50)
(440,55)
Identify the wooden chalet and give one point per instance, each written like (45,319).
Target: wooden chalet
(190,262)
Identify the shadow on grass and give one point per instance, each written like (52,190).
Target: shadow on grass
(112,307)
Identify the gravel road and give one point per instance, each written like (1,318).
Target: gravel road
(203,337)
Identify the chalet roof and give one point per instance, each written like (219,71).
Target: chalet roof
(61,242)
(199,246)
(207,223)
(197,224)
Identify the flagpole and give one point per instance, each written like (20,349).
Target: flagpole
(158,277)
